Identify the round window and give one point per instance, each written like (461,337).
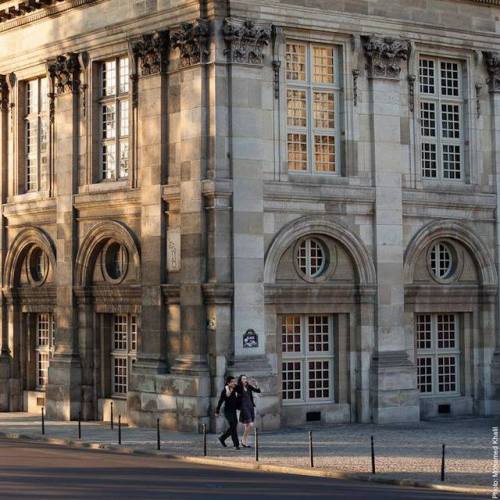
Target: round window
(38,265)
(311,258)
(443,261)
(115,261)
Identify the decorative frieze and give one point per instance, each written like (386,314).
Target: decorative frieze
(245,40)
(192,41)
(411,92)
(64,72)
(385,56)
(151,53)
(355,76)
(4,94)
(492,61)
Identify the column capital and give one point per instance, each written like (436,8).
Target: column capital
(245,40)
(192,41)
(492,61)
(151,53)
(64,72)
(384,56)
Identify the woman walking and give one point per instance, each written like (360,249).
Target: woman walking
(247,406)
(230,399)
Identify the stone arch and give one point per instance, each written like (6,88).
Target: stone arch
(453,230)
(365,269)
(93,243)
(28,237)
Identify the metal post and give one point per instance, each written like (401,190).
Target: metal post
(442,464)
(311,452)
(204,440)
(373,456)
(256,445)
(111,419)
(43,420)
(79,425)
(119,429)
(157,433)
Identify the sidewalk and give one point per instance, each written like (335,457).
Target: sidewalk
(403,452)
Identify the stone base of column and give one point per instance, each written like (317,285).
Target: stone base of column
(394,395)
(4,382)
(180,401)
(63,396)
(190,364)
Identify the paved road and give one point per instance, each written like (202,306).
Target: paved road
(45,471)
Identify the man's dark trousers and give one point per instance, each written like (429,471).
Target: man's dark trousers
(232,431)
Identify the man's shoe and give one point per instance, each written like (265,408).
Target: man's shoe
(221,441)
(237,448)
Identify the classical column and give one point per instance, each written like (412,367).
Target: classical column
(63,391)
(393,393)
(492,61)
(151,53)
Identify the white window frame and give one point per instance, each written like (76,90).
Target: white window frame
(438,100)
(434,352)
(309,87)
(35,119)
(305,356)
(120,139)
(45,348)
(127,351)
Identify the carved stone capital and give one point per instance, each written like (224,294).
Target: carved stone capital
(384,56)
(64,72)
(4,94)
(245,40)
(492,61)
(192,41)
(151,53)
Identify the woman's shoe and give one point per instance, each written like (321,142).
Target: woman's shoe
(245,445)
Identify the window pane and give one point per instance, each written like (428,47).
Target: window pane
(108,121)
(120,325)
(42,369)
(109,78)
(291,334)
(295,61)
(44,95)
(297,151)
(108,161)
(43,330)
(133,333)
(291,373)
(427,76)
(123,158)
(323,65)
(32,97)
(451,161)
(319,379)
(324,106)
(123,118)
(447,373)
(124,75)
(450,121)
(297,108)
(120,375)
(446,332)
(428,119)
(324,153)
(449,79)
(318,333)
(424,374)
(429,161)
(424,338)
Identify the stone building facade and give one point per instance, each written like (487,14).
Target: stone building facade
(305,192)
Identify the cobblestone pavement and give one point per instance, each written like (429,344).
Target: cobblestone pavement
(403,451)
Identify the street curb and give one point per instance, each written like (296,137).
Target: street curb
(281,469)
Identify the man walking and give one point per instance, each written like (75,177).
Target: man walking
(229,398)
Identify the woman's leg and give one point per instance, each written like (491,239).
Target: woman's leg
(248,428)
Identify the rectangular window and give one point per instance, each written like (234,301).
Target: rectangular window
(307,365)
(44,347)
(123,351)
(438,353)
(114,119)
(313,91)
(36,132)
(441,119)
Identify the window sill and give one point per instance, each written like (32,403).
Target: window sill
(317,178)
(29,196)
(105,186)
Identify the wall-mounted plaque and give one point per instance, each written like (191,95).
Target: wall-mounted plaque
(250,339)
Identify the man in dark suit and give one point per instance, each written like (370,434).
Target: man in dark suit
(230,399)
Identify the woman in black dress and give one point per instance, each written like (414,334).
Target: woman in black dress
(247,406)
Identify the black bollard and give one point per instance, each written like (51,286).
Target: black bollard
(204,440)
(373,456)
(157,433)
(442,465)
(43,420)
(79,425)
(111,419)
(119,429)
(311,452)
(256,445)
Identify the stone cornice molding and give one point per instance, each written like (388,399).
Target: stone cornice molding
(245,40)
(151,53)
(64,72)
(192,41)
(492,61)
(385,55)
(4,94)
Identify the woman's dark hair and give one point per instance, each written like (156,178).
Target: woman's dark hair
(239,379)
(229,378)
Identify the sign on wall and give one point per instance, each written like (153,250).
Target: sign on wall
(250,339)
